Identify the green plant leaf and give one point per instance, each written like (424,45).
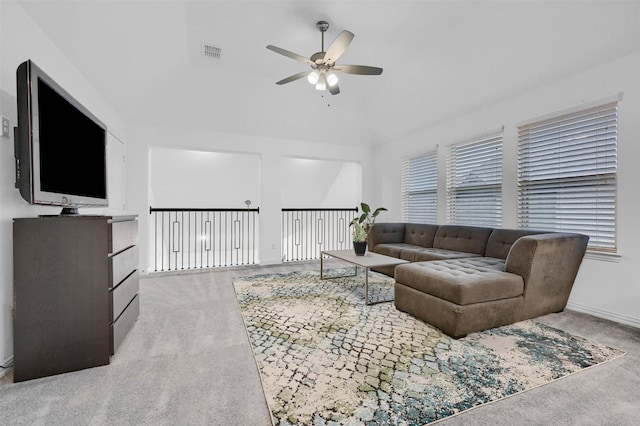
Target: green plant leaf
(378,210)
(367,218)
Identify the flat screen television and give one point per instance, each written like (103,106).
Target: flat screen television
(60,146)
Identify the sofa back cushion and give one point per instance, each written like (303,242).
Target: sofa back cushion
(385,233)
(419,234)
(501,240)
(469,239)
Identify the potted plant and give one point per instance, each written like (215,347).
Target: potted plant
(361,227)
(359,238)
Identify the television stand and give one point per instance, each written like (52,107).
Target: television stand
(67,211)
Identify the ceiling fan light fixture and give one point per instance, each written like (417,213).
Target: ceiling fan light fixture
(313,77)
(332,78)
(322,83)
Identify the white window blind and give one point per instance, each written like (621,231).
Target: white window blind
(567,173)
(474,182)
(420,188)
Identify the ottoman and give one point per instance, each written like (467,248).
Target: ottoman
(460,296)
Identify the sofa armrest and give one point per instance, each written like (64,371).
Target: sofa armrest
(548,263)
(385,233)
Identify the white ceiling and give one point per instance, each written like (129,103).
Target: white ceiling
(440,59)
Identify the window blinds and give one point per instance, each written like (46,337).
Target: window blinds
(420,188)
(567,173)
(474,182)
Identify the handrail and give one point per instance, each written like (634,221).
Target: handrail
(200,209)
(317,209)
(188,238)
(196,238)
(306,232)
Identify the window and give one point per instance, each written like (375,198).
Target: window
(474,182)
(420,188)
(567,172)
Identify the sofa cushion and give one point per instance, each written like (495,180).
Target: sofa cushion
(421,254)
(459,282)
(483,262)
(420,234)
(468,239)
(501,240)
(383,233)
(392,249)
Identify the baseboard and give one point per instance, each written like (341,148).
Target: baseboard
(611,316)
(4,371)
(270,262)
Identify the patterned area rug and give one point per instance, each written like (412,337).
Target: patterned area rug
(326,358)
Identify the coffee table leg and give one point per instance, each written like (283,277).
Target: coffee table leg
(366,286)
(355,272)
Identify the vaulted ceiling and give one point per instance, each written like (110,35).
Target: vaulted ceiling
(441,59)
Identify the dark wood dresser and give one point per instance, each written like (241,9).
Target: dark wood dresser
(75,291)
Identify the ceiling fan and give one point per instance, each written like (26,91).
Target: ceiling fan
(323,64)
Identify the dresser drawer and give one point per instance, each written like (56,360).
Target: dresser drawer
(122,235)
(121,265)
(122,295)
(121,327)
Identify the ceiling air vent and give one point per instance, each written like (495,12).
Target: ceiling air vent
(210,51)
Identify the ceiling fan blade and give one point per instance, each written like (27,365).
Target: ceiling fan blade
(334,90)
(338,47)
(358,69)
(293,77)
(291,55)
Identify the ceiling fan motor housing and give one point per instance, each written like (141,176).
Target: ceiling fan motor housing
(318,57)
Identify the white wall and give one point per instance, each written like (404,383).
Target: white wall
(311,183)
(200,179)
(609,287)
(22,39)
(282,177)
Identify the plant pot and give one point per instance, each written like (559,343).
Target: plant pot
(360,248)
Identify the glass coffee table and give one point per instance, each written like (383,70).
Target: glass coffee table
(369,260)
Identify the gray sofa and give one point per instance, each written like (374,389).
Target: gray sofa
(463,279)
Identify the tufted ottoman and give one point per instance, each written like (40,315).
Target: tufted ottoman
(460,296)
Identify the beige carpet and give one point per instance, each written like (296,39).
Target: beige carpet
(188,361)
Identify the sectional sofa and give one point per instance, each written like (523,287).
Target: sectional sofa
(463,279)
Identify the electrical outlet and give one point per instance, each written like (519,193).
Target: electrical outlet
(5,127)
